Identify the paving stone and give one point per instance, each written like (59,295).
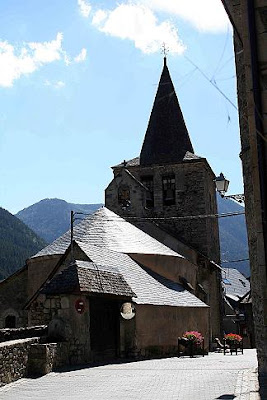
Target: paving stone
(201,378)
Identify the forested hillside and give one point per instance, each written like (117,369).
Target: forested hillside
(17,243)
(233,236)
(50,218)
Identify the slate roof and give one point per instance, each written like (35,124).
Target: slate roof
(136,161)
(106,229)
(84,276)
(234,283)
(149,287)
(167,139)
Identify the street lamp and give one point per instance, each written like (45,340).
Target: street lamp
(222,186)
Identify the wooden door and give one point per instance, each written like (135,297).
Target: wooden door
(104,328)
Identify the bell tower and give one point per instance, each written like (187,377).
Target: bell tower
(168,185)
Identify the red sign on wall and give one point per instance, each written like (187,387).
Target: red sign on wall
(79,306)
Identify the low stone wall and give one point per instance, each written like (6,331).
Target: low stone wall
(14,359)
(46,357)
(22,333)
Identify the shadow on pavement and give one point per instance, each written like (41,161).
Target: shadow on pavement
(69,368)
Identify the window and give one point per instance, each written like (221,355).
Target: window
(10,321)
(124,196)
(168,186)
(147,181)
(226,281)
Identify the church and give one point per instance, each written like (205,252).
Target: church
(131,278)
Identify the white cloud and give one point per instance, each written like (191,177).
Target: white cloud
(84,7)
(46,52)
(15,62)
(56,85)
(138,23)
(29,57)
(81,56)
(205,15)
(99,17)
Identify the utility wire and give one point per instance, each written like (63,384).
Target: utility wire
(234,261)
(213,83)
(220,59)
(129,217)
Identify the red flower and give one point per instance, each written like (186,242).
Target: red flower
(233,337)
(194,336)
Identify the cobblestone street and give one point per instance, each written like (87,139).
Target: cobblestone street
(213,377)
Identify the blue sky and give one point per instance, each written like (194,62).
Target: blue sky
(77,84)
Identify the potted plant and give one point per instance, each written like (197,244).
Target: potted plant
(194,337)
(234,342)
(233,338)
(193,341)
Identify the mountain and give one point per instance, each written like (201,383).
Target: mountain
(50,218)
(233,236)
(17,243)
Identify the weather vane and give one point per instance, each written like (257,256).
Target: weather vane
(164,49)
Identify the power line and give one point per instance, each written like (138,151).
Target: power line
(212,82)
(139,218)
(221,57)
(234,261)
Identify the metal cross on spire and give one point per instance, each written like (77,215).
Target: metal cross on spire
(164,49)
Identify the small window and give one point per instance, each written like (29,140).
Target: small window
(124,196)
(168,186)
(10,321)
(226,281)
(147,181)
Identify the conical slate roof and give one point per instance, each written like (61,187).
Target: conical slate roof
(167,139)
(106,229)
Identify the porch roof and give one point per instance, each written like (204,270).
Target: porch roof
(89,277)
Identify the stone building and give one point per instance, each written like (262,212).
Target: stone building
(167,189)
(114,265)
(237,306)
(141,271)
(249,20)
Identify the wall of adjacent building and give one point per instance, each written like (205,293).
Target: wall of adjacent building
(251,88)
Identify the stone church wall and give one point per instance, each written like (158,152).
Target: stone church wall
(13,296)
(194,195)
(39,269)
(170,267)
(158,327)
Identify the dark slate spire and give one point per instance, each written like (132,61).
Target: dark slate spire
(167,139)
